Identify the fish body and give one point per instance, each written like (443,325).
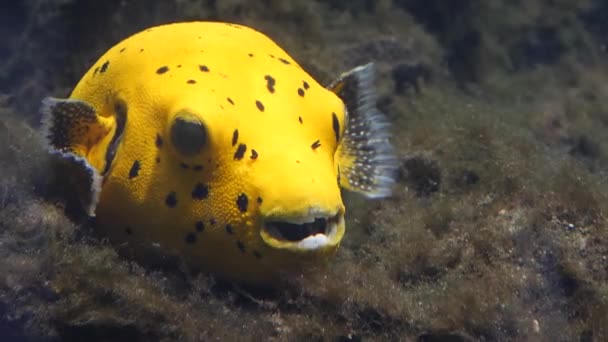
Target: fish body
(207,140)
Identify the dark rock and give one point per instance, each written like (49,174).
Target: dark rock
(584,147)
(409,76)
(568,283)
(422,174)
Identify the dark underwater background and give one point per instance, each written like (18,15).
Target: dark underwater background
(497,229)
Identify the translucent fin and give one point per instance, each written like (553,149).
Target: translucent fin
(365,157)
(82,178)
(70,128)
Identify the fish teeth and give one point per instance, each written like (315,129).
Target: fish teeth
(319,240)
(314,242)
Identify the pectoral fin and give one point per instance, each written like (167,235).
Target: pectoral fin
(85,142)
(365,156)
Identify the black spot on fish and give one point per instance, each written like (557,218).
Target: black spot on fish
(191,81)
(159,141)
(134,169)
(257,255)
(179,65)
(240,152)
(171,199)
(250,54)
(270,82)
(271,56)
(157,160)
(200,191)
(300,119)
(184,166)
(229,229)
(104,67)
(241,202)
(162,70)
(199,226)
(235,137)
(122,50)
(190,238)
(240,246)
(260,105)
(305,85)
(254,154)
(315,145)
(95,72)
(301,92)
(203,68)
(230,100)
(141,50)
(197,167)
(260,200)
(335,124)
(284,61)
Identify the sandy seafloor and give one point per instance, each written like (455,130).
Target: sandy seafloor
(497,228)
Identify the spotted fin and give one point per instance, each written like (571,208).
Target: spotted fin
(73,131)
(71,125)
(365,157)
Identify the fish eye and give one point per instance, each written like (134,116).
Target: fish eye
(188,133)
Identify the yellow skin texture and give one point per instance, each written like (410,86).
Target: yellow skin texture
(289,177)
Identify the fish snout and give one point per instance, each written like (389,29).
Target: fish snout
(310,230)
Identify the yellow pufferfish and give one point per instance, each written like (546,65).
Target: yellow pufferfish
(208,141)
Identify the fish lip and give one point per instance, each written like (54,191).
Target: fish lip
(306,233)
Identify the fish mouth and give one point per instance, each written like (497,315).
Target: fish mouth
(306,233)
